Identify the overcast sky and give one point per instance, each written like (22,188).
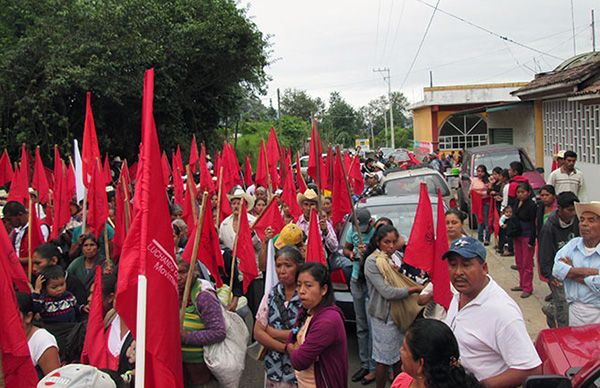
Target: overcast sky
(334,45)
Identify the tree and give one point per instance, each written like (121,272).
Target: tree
(376,112)
(207,55)
(299,104)
(340,122)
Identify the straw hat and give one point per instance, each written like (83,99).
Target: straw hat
(559,155)
(309,195)
(592,207)
(239,193)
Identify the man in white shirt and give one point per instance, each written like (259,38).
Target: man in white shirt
(567,177)
(488,324)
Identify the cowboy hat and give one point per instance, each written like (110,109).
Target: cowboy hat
(559,155)
(592,207)
(239,193)
(309,195)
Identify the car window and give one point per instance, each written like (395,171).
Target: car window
(304,162)
(411,185)
(400,155)
(502,160)
(401,215)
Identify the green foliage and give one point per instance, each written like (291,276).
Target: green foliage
(299,104)
(208,56)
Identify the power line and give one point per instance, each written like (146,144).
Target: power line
(420,44)
(505,38)
(392,51)
(377,31)
(387,31)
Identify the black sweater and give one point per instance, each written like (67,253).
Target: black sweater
(526,214)
(553,237)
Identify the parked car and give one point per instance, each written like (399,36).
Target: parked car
(570,357)
(494,155)
(304,164)
(401,210)
(406,182)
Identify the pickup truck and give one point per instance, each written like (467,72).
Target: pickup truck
(570,358)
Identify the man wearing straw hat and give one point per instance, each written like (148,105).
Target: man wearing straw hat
(577,264)
(307,201)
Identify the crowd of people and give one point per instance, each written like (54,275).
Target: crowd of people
(403,335)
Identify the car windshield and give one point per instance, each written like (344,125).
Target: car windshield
(502,160)
(411,185)
(400,155)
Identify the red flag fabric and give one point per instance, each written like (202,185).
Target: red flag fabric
(477,206)
(97,202)
(421,244)
(57,169)
(12,266)
(231,168)
(206,181)
(71,188)
(299,178)
(39,181)
(6,171)
(62,211)
(289,195)
(440,279)
(120,218)
(273,156)
(315,155)
(106,171)
(189,214)
(327,182)
(554,162)
(37,238)
(314,248)
(178,161)
(270,217)
(193,154)
(209,252)
(17,368)
(178,192)
(95,352)
(166,169)
(224,207)
(245,250)
(412,158)
(261,177)
(89,151)
(248,172)
(357,181)
(19,187)
(340,201)
(148,251)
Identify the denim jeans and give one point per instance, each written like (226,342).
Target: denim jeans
(560,305)
(363,323)
(483,226)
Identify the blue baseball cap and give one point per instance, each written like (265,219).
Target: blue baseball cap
(467,247)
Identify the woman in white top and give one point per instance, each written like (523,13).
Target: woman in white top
(42,344)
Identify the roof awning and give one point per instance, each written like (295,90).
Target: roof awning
(493,108)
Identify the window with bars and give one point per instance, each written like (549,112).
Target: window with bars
(573,126)
(463,131)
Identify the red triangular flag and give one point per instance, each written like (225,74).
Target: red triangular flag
(273,156)
(95,352)
(6,171)
(165,169)
(261,177)
(315,156)
(209,252)
(327,182)
(224,207)
(120,227)
(245,249)
(440,279)
(193,154)
(178,192)
(299,178)
(71,188)
(420,249)
(289,195)
(412,158)
(178,161)
(477,206)
(189,205)
(19,187)
(206,181)
(97,202)
(39,181)
(248,172)
(340,201)
(17,368)
(270,217)
(89,150)
(148,252)
(314,248)
(62,213)
(357,181)
(231,168)
(12,265)
(106,171)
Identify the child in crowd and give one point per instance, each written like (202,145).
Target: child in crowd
(507,213)
(51,299)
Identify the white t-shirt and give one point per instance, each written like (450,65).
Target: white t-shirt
(115,341)
(491,333)
(39,342)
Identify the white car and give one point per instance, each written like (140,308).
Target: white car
(408,182)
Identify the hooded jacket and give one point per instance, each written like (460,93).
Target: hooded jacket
(552,238)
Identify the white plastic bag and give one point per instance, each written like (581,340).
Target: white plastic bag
(226,360)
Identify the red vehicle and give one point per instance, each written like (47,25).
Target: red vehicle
(570,357)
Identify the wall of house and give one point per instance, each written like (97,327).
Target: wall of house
(422,124)
(590,171)
(521,120)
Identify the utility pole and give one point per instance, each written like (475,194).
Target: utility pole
(278,105)
(389,82)
(573,28)
(430,78)
(593,33)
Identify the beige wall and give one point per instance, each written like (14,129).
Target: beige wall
(422,124)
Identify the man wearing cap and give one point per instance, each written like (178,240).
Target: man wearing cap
(354,249)
(373,187)
(577,265)
(567,177)
(307,202)
(488,324)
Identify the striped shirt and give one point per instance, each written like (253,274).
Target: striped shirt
(563,181)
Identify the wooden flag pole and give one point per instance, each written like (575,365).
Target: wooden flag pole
(219,194)
(29,253)
(126,207)
(190,182)
(354,219)
(233,260)
(190,275)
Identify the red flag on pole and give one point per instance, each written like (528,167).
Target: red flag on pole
(19,187)
(189,205)
(314,248)
(62,213)
(289,195)
(261,177)
(477,206)
(245,250)
(89,151)
(421,244)
(97,202)
(71,185)
(193,154)
(106,171)
(17,368)
(210,253)
(206,181)
(6,171)
(357,181)
(178,161)
(270,217)
(148,254)
(340,201)
(94,350)
(440,279)
(299,178)
(315,155)
(39,181)
(178,192)
(248,172)
(224,207)
(165,169)
(273,156)
(12,266)
(231,168)
(327,182)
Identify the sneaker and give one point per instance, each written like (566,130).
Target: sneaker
(525,295)
(517,288)
(514,267)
